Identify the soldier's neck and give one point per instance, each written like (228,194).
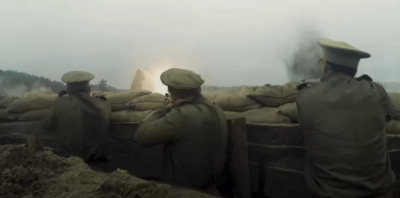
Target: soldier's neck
(329,74)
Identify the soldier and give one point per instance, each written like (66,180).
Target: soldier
(80,121)
(193,131)
(343,122)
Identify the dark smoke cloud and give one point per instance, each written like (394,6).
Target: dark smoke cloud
(304,62)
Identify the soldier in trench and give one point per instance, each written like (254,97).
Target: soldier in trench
(343,122)
(80,121)
(193,131)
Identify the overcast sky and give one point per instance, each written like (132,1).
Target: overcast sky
(228,42)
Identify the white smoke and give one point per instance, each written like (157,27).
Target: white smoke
(21,90)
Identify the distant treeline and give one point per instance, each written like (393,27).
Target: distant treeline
(14,82)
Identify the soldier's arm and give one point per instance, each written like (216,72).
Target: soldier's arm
(158,128)
(156,114)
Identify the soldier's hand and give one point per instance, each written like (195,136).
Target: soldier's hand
(170,105)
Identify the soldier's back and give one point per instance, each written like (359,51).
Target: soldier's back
(82,125)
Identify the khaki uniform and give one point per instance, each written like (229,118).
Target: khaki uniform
(194,135)
(82,123)
(343,122)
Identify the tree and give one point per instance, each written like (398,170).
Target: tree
(103,86)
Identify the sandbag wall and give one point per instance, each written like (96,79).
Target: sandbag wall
(132,106)
(273,104)
(33,107)
(126,106)
(259,104)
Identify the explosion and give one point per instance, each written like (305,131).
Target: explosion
(149,80)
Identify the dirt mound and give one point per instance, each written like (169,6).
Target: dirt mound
(120,185)
(29,173)
(24,171)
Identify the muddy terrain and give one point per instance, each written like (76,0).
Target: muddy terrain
(28,173)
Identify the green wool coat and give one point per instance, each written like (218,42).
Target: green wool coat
(81,123)
(343,122)
(194,135)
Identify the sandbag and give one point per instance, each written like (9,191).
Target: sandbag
(265,115)
(274,95)
(289,110)
(393,127)
(120,106)
(151,101)
(123,97)
(129,116)
(236,100)
(34,115)
(119,101)
(232,114)
(32,102)
(395,97)
(7,117)
(6,100)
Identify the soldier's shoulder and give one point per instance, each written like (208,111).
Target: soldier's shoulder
(184,107)
(368,80)
(307,86)
(365,78)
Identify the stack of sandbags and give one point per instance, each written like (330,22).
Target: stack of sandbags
(34,115)
(395,97)
(38,101)
(274,95)
(289,110)
(33,107)
(259,104)
(236,101)
(6,100)
(119,100)
(394,125)
(262,115)
(7,117)
(133,106)
(4,115)
(150,101)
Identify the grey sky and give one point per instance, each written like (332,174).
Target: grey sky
(228,42)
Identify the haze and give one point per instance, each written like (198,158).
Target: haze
(228,42)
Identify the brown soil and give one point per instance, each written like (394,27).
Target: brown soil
(29,173)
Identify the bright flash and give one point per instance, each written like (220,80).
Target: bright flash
(152,80)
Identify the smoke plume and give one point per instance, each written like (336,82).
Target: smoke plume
(304,61)
(21,90)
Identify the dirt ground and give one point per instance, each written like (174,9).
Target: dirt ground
(30,173)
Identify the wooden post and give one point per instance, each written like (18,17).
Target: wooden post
(238,163)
